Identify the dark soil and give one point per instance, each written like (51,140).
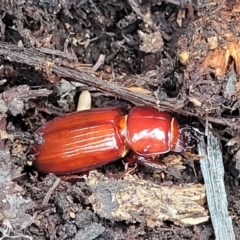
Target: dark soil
(71,35)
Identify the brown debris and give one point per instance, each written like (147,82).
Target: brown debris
(219,58)
(13,99)
(221,43)
(151,42)
(210,53)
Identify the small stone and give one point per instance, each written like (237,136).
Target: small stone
(72,215)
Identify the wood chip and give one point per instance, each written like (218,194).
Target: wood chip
(213,174)
(134,199)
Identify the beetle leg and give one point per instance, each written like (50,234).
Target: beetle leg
(192,156)
(149,161)
(128,170)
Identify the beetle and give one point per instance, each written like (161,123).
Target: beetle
(85,140)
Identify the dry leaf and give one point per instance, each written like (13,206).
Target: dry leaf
(236,8)
(219,58)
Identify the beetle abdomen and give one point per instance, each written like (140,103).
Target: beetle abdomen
(81,141)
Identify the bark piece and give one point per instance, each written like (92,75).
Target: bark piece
(134,199)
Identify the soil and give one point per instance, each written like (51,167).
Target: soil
(174,55)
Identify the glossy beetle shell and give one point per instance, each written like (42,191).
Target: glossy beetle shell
(88,139)
(151,132)
(80,141)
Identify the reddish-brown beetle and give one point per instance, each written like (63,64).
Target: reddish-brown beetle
(88,139)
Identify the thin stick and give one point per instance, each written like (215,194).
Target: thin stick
(50,191)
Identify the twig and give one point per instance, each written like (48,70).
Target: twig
(38,60)
(99,62)
(50,191)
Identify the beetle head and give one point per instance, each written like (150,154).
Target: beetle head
(188,138)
